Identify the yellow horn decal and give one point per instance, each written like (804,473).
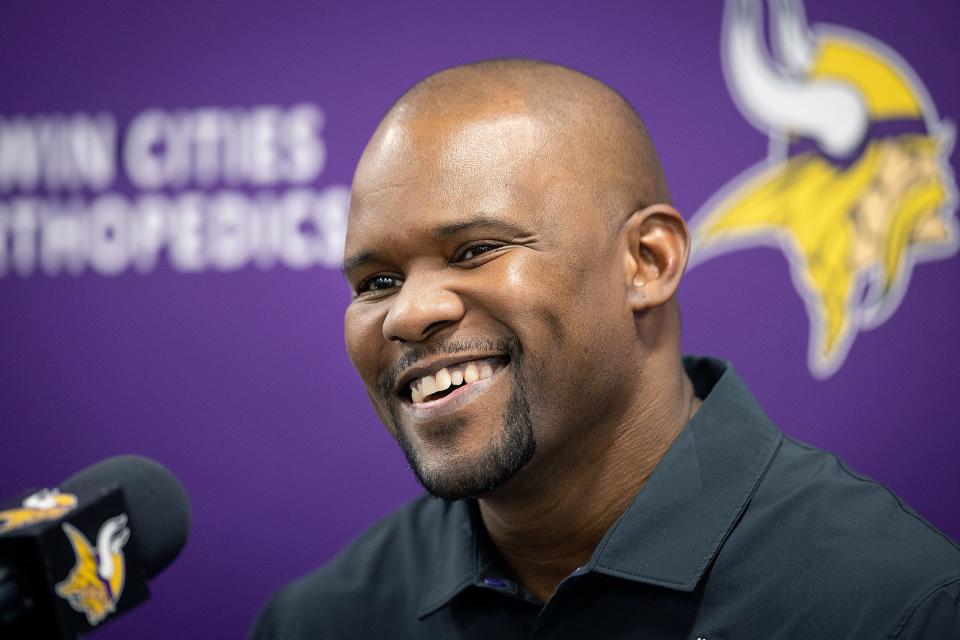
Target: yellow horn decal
(888,94)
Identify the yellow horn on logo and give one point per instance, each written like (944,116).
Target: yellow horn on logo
(887,93)
(828,111)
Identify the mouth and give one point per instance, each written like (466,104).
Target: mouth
(445,379)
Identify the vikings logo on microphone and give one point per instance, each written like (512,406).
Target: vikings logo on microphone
(95,583)
(44,505)
(856,188)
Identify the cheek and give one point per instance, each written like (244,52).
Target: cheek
(562,299)
(541,300)
(528,297)
(568,315)
(364,339)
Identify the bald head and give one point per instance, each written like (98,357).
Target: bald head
(584,126)
(510,218)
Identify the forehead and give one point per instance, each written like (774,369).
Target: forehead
(440,169)
(447,153)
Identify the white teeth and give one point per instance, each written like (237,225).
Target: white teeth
(443,380)
(471,373)
(427,385)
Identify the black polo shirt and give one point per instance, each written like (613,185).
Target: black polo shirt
(739,533)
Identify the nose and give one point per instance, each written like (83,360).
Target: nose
(423,306)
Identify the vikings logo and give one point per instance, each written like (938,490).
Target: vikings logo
(44,505)
(95,583)
(856,188)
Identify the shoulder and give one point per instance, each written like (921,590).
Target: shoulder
(844,544)
(379,576)
(871,524)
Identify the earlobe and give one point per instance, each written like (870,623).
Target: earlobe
(657,247)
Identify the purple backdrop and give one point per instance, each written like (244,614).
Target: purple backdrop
(237,378)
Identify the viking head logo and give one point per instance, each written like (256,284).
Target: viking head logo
(44,505)
(95,583)
(856,188)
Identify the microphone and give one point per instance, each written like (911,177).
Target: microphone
(74,557)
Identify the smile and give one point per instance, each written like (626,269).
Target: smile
(448,380)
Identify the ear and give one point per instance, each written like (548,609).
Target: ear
(657,247)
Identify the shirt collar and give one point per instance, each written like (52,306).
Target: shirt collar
(455,563)
(676,524)
(465,556)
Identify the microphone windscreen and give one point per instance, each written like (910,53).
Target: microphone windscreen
(157,504)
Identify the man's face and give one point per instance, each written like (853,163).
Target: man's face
(489,312)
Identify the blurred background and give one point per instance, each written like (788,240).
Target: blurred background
(173,192)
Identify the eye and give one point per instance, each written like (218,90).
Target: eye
(474,250)
(380,282)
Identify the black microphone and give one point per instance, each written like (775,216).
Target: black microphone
(74,557)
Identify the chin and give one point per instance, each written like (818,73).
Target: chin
(448,473)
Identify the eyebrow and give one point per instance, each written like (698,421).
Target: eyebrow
(362,258)
(479,221)
(440,233)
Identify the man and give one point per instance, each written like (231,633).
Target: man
(514,262)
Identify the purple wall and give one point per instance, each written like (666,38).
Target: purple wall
(227,364)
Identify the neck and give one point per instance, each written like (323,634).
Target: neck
(548,524)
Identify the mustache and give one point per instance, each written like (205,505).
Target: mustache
(507,344)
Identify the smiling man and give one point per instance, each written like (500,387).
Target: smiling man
(514,262)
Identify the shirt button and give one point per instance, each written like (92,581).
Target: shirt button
(494,582)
